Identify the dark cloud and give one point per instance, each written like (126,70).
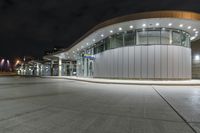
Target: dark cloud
(28,27)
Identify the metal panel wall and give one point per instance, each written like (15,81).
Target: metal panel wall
(170,61)
(125,59)
(164,62)
(131,60)
(144,62)
(151,63)
(157,62)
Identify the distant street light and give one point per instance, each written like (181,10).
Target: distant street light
(2,63)
(197,57)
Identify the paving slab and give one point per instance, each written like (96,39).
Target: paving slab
(59,105)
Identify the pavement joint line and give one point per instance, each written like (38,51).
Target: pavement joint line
(21,114)
(33,96)
(108,114)
(186,122)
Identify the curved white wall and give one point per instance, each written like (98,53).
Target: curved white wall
(144,62)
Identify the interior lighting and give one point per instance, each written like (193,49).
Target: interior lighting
(189,27)
(144,25)
(170,24)
(181,25)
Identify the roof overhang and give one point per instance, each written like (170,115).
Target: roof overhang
(176,18)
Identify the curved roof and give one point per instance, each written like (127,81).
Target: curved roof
(187,19)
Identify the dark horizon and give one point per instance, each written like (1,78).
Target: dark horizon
(29,28)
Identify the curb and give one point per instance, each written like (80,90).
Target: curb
(127,83)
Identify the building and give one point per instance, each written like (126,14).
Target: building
(150,45)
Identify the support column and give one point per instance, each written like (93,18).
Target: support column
(170,37)
(59,67)
(71,68)
(41,70)
(37,70)
(51,67)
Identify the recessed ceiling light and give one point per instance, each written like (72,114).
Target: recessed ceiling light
(192,38)
(181,25)
(102,35)
(157,24)
(120,28)
(93,40)
(144,25)
(189,27)
(131,26)
(111,31)
(170,24)
(194,29)
(196,32)
(87,43)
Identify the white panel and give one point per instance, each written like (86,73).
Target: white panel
(157,61)
(131,60)
(115,59)
(180,62)
(170,62)
(105,54)
(100,65)
(189,63)
(111,63)
(151,65)
(175,62)
(144,61)
(125,62)
(120,62)
(184,62)
(138,62)
(108,63)
(164,61)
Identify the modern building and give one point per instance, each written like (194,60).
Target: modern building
(150,45)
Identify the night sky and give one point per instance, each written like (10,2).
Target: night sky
(29,27)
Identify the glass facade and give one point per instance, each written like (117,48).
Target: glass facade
(148,36)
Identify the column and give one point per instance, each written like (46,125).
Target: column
(59,67)
(41,69)
(37,69)
(170,37)
(51,67)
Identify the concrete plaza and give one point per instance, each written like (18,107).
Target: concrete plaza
(44,105)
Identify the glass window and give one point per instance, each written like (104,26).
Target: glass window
(107,43)
(165,37)
(100,46)
(176,37)
(117,40)
(185,39)
(154,37)
(129,38)
(141,37)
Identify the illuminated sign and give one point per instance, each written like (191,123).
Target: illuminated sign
(89,56)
